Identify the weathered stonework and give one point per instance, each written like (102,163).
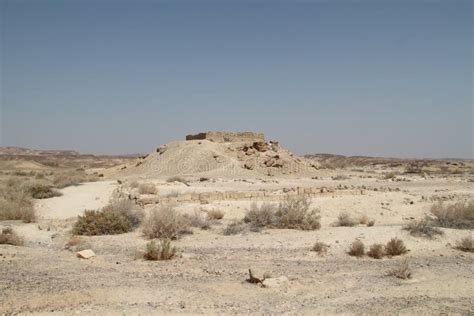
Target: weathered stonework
(224,137)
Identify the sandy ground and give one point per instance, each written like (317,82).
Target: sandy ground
(209,275)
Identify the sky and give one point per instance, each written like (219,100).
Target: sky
(378,78)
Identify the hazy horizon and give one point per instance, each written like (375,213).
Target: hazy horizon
(368,78)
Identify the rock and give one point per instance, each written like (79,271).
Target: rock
(275,282)
(260,146)
(86,254)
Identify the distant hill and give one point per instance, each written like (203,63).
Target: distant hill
(19,151)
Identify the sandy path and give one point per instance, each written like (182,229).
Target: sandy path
(75,200)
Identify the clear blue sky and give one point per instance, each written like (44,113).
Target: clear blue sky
(385,78)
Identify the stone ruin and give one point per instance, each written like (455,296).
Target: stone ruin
(225,137)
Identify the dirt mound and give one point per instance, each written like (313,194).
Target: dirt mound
(217,159)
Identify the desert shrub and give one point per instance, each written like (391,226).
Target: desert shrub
(320,247)
(403,271)
(294,213)
(40,190)
(357,249)
(466,244)
(165,222)
(413,169)
(376,251)
(422,228)
(234,228)
(101,223)
(341,177)
(458,215)
(344,219)
(363,219)
(198,220)
(63,180)
(126,208)
(390,175)
(134,184)
(215,215)
(16,203)
(177,179)
(371,223)
(395,247)
(9,237)
(163,251)
(147,188)
(263,216)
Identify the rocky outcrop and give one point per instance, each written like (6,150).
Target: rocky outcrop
(225,137)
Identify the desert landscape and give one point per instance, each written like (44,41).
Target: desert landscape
(233,223)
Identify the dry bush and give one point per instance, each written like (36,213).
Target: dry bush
(390,175)
(395,247)
(403,271)
(376,251)
(320,247)
(134,184)
(9,237)
(458,215)
(215,214)
(422,228)
(294,213)
(165,222)
(67,179)
(101,223)
(466,244)
(177,179)
(357,249)
(263,216)
(163,251)
(147,188)
(127,209)
(371,223)
(363,220)
(344,219)
(198,220)
(15,203)
(74,241)
(234,228)
(40,190)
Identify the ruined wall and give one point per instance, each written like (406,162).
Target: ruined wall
(223,137)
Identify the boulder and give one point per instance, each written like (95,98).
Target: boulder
(86,254)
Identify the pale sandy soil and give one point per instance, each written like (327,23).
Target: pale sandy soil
(209,275)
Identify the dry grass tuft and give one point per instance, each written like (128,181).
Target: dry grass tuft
(320,247)
(263,216)
(466,244)
(147,188)
(395,247)
(363,219)
(15,202)
(371,223)
(294,213)
(357,249)
(344,219)
(165,222)
(422,228)
(376,251)
(215,214)
(9,237)
(403,271)
(198,220)
(163,251)
(458,215)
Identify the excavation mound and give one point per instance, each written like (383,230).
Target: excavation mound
(220,156)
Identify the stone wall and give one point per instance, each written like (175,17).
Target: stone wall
(223,137)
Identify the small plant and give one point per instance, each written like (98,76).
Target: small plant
(320,247)
(215,215)
(9,237)
(390,175)
(15,202)
(147,188)
(403,271)
(40,190)
(234,228)
(466,244)
(376,251)
(357,249)
(395,247)
(294,213)
(458,215)
(344,219)
(371,223)
(423,228)
(166,222)
(163,251)
(363,219)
